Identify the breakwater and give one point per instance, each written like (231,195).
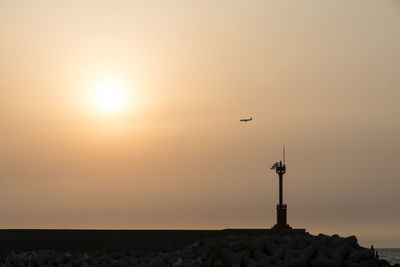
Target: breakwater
(183,248)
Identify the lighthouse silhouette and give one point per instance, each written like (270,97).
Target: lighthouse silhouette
(281,209)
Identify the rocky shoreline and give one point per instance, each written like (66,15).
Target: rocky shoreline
(285,250)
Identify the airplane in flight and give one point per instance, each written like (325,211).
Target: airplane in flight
(246,120)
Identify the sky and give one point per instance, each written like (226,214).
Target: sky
(167,151)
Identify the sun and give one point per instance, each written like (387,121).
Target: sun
(109,96)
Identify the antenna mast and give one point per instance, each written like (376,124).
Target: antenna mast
(284,155)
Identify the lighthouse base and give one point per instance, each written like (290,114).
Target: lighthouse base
(281,227)
(281,212)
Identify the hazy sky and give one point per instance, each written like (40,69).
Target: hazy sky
(322,77)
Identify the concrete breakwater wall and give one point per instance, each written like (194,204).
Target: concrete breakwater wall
(150,240)
(217,249)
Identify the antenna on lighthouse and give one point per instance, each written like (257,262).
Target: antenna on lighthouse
(284,155)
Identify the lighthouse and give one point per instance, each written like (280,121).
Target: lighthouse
(281,209)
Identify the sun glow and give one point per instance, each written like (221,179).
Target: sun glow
(109,96)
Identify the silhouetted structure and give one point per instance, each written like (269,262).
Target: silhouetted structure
(281,209)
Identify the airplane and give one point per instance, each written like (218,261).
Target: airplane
(246,120)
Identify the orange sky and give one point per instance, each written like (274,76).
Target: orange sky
(321,77)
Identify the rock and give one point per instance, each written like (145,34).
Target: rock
(262,263)
(240,245)
(351,241)
(290,254)
(220,263)
(278,255)
(245,253)
(361,255)
(370,263)
(270,247)
(349,263)
(322,251)
(335,242)
(210,260)
(344,251)
(199,260)
(323,238)
(326,252)
(259,255)
(382,262)
(292,263)
(287,246)
(160,264)
(248,261)
(258,244)
(50,263)
(324,262)
(308,253)
(230,257)
(178,262)
(286,239)
(189,256)
(300,243)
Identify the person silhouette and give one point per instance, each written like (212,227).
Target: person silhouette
(376,255)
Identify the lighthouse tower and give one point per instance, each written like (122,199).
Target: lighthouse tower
(281,209)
